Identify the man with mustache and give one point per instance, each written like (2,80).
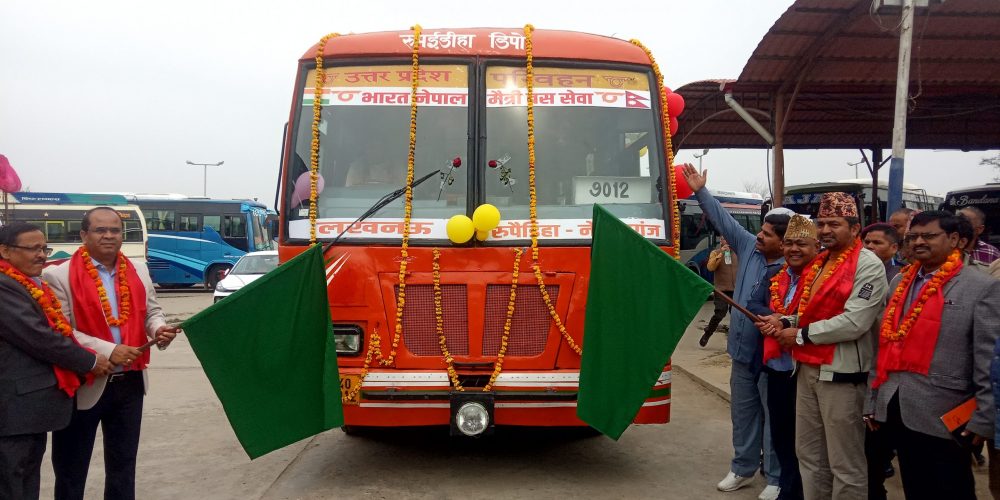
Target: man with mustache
(748,385)
(40,361)
(935,347)
(831,337)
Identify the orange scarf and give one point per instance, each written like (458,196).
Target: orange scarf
(67,379)
(826,302)
(88,309)
(910,346)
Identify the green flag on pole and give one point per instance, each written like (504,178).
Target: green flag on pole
(268,351)
(639,303)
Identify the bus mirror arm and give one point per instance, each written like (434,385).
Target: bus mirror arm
(381,203)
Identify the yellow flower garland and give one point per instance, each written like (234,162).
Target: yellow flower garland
(320,80)
(439,324)
(498,366)
(675,217)
(124,292)
(533,210)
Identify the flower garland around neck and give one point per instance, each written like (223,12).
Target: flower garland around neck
(777,301)
(888,330)
(675,215)
(44,296)
(124,294)
(809,277)
(532,195)
(318,84)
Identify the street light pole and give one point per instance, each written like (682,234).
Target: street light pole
(204,167)
(699,156)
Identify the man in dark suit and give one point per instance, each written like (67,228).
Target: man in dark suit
(935,347)
(38,364)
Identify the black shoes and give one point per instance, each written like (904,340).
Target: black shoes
(703,341)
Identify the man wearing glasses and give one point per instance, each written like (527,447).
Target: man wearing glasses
(40,361)
(935,345)
(112,305)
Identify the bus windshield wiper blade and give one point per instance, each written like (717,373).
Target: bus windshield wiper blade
(379,205)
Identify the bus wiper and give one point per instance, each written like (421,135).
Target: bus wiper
(379,205)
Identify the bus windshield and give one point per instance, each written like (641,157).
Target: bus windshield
(596,142)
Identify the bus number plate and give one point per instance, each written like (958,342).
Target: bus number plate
(348,382)
(611,190)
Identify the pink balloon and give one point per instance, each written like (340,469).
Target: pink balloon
(674,125)
(683,189)
(300,192)
(675,104)
(9,181)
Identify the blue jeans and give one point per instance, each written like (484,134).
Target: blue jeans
(748,407)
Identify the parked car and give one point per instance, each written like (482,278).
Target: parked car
(250,267)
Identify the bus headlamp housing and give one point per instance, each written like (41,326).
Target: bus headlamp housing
(471,414)
(347,339)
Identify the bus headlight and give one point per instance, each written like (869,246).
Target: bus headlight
(472,419)
(347,339)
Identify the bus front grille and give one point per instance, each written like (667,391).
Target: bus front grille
(530,325)
(419,326)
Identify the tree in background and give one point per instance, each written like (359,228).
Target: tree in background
(994,162)
(757,186)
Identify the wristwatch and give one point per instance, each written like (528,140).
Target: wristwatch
(799,340)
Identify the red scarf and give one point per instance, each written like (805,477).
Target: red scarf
(826,302)
(67,379)
(772,349)
(89,313)
(913,352)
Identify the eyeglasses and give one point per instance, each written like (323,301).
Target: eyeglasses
(910,237)
(45,250)
(113,231)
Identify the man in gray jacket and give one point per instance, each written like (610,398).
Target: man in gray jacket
(935,349)
(32,401)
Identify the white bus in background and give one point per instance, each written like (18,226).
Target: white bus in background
(985,198)
(804,198)
(60,215)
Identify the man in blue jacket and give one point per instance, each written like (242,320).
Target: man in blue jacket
(748,385)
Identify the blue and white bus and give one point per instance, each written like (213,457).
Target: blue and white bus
(197,240)
(699,237)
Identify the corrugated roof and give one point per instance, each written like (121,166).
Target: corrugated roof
(843,58)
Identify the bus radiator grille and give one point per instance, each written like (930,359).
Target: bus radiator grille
(419,332)
(530,326)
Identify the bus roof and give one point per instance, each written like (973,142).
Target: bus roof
(69,198)
(500,42)
(992,186)
(847,183)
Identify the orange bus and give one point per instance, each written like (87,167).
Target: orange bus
(432,329)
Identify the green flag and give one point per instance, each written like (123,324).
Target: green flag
(268,351)
(639,303)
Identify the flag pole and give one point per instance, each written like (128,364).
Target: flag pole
(733,303)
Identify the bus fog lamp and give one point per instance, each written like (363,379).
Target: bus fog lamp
(349,343)
(472,419)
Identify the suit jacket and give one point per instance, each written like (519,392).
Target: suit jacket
(30,400)
(58,278)
(960,368)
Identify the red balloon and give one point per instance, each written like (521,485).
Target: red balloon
(675,104)
(674,125)
(683,190)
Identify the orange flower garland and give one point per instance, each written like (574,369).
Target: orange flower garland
(809,277)
(317,117)
(439,324)
(675,216)
(45,297)
(124,294)
(498,367)
(533,206)
(777,302)
(888,330)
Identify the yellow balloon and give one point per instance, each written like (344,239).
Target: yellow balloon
(486,217)
(482,235)
(460,229)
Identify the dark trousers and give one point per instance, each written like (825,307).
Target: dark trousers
(878,451)
(781,409)
(930,467)
(721,308)
(21,465)
(119,412)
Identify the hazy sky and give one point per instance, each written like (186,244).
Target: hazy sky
(116,95)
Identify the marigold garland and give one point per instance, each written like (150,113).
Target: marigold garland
(439,323)
(124,294)
(888,330)
(533,204)
(778,302)
(314,148)
(675,216)
(809,277)
(498,366)
(45,298)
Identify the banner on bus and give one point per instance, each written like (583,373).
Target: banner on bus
(435,229)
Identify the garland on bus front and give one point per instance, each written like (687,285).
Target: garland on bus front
(675,216)
(533,207)
(320,80)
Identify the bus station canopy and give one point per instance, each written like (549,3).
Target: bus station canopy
(824,76)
